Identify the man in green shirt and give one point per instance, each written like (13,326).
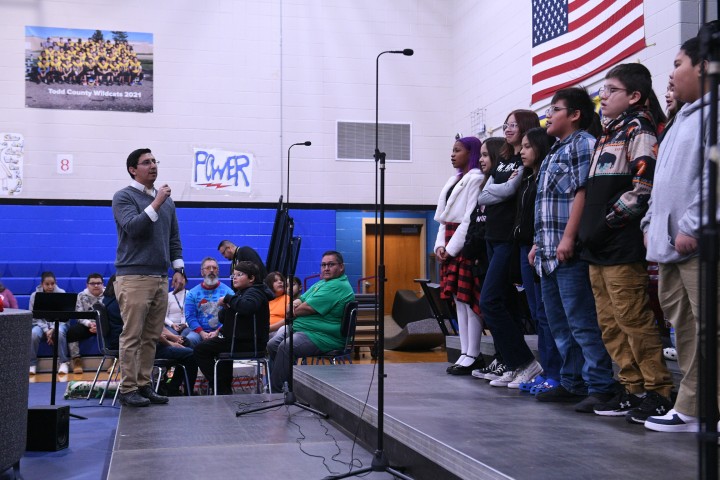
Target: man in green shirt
(318,315)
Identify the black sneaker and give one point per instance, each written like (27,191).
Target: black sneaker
(559,394)
(481,372)
(133,399)
(497,373)
(653,405)
(619,405)
(147,392)
(588,404)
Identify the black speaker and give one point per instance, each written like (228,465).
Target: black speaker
(48,428)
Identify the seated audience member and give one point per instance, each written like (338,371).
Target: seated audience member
(84,328)
(231,252)
(168,347)
(318,316)
(201,304)
(175,315)
(249,304)
(275,281)
(43,328)
(8,298)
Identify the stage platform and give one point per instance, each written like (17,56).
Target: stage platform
(437,426)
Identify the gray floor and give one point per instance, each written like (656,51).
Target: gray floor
(200,437)
(462,424)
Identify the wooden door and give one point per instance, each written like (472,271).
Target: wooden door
(404,256)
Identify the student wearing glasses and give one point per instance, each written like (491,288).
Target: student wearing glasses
(500,200)
(245,323)
(84,328)
(318,316)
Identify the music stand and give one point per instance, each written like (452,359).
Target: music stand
(59,307)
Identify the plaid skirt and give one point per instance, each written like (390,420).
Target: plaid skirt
(456,276)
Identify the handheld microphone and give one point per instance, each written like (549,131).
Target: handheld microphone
(407,52)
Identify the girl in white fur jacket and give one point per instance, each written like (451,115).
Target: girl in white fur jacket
(455,205)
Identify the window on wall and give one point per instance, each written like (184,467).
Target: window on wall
(356,141)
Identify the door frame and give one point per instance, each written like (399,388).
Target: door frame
(398,221)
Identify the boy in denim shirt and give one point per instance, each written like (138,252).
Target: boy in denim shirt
(586,375)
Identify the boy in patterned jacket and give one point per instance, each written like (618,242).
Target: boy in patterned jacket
(617,194)
(84,328)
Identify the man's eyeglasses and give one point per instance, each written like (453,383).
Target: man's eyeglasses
(328,265)
(553,110)
(238,275)
(146,163)
(95,284)
(610,90)
(509,125)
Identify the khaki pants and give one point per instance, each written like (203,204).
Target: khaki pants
(629,330)
(143,303)
(678,291)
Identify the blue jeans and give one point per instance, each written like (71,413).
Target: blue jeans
(507,336)
(38,334)
(193,338)
(570,309)
(550,358)
(278,351)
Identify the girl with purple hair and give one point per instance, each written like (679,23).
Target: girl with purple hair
(455,206)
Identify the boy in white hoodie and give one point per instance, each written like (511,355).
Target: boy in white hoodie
(671,227)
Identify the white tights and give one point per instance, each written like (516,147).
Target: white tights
(470,328)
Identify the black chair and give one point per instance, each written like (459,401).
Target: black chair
(347,329)
(162,365)
(103,329)
(258,355)
(442,310)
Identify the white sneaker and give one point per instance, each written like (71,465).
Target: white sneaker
(33,369)
(671,422)
(526,374)
(506,378)
(64,368)
(670,353)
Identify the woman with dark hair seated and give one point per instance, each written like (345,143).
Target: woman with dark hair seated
(275,281)
(246,317)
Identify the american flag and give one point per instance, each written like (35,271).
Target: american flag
(575,39)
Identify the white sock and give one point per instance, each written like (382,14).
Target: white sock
(687,418)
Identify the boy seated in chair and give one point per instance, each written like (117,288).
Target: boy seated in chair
(245,325)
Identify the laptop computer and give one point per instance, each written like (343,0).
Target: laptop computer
(54,302)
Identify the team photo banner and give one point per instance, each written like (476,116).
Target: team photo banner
(77,69)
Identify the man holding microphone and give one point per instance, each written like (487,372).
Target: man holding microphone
(148,244)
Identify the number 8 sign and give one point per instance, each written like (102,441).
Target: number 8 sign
(64,164)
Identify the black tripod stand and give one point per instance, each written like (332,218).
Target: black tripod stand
(380,462)
(288,393)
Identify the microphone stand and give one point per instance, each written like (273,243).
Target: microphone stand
(380,462)
(289,398)
(708,302)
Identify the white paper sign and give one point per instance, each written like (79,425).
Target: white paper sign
(215,169)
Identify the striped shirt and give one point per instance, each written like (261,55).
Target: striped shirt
(563,172)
